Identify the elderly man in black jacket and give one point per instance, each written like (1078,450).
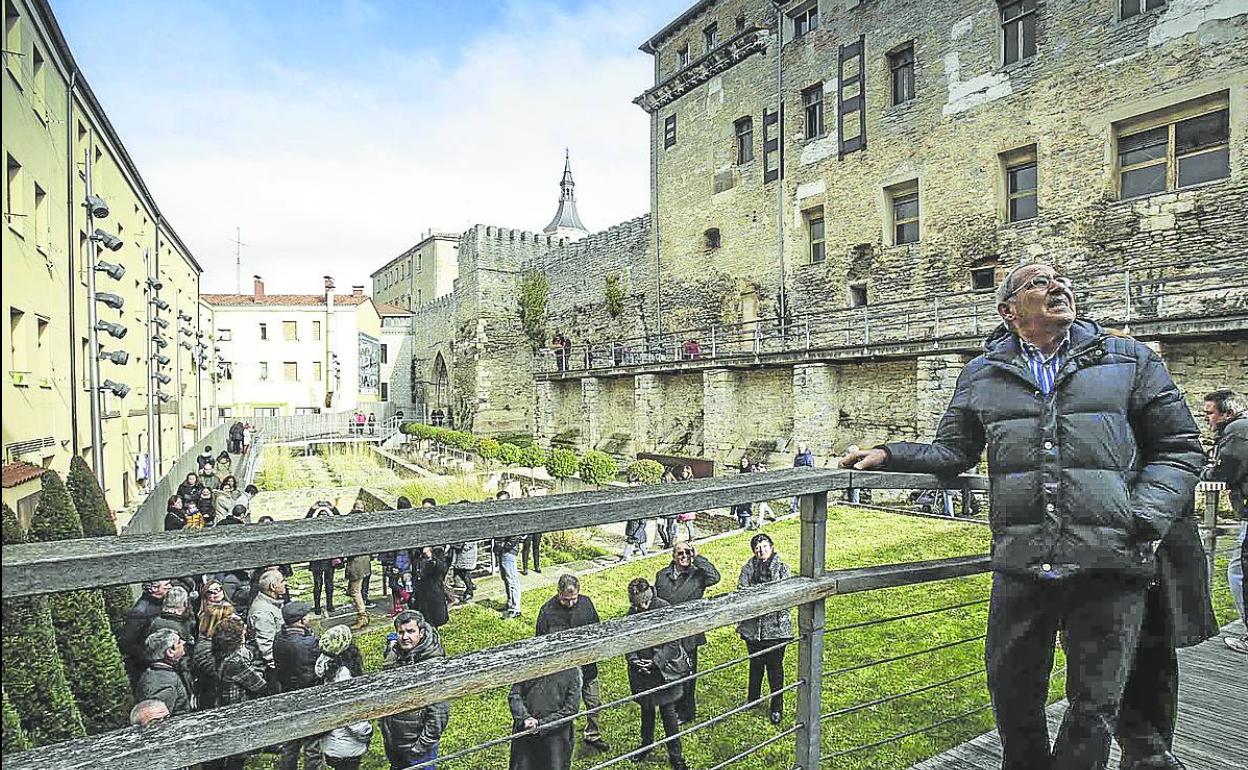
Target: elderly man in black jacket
(569,608)
(685,580)
(1092,455)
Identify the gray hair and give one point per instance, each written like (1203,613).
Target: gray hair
(176,599)
(1226,400)
(1010,284)
(159,643)
(146,710)
(567,582)
(269,580)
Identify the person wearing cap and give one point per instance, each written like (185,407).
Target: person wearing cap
(685,580)
(412,737)
(649,669)
(1093,455)
(339,661)
(295,651)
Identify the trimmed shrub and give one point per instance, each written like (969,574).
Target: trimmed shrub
(32,670)
(561,464)
(97,521)
(88,648)
(598,467)
(14,735)
(488,448)
(509,454)
(645,471)
(533,456)
(519,439)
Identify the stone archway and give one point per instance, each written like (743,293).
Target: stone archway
(439,393)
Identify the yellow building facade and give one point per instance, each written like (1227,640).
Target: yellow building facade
(57,140)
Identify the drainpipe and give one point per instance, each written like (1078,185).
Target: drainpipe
(71,239)
(783,310)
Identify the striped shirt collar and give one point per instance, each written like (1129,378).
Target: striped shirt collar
(1045,369)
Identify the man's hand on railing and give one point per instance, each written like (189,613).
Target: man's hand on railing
(863,459)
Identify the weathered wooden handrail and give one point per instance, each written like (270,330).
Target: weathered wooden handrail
(41,568)
(201,736)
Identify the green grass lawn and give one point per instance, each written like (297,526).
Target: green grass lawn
(855,538)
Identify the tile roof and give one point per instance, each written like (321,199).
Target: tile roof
(386,309)
(281,300)
(18,472)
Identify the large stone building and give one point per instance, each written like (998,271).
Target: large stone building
(823,275)
(421,274)
(57,140)
(296,353)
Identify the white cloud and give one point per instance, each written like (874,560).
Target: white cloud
(335,174)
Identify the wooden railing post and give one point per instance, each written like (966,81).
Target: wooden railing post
(810,623)
(1211,490)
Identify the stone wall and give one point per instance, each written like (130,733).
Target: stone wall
(668,416)
(1200,367)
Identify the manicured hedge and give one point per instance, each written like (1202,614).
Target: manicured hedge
(562,464)
(645,471)
(97,521)
(598,467)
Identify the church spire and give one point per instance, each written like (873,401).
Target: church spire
(567,223)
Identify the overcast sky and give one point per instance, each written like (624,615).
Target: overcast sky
(334,132)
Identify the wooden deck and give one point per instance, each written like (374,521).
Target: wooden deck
(1212,733)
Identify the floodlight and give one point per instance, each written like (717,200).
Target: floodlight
(112,300)
(119,357)
(107,240)
(118,389)
(96,205)
(114,271)
(113,329)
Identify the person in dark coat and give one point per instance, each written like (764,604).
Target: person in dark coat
(237,675)
(236,439)
(652,667)
(295,650)
(685,580)
(175,514)
(190,488)
(134,627)
(1092,456)
(534,705)
(767,631)
(428,598)
(412,737)
(1225,412)
(322,569)
(166,679)
(175,614)
(744,511)
(569,608)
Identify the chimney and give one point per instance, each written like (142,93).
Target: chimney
(259,288)
(329,283)
(357,291)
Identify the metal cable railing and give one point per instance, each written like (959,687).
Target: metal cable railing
(903,656)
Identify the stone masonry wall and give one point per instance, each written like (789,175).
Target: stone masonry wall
(1201,367)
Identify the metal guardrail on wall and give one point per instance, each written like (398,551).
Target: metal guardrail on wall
(309,427)
(150,515)
(40,568)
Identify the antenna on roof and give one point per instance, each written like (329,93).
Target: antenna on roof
(238,261)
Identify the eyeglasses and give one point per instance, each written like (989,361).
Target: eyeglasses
(1042,281)
(684,552)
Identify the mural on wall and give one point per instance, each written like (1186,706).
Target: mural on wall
(370,365)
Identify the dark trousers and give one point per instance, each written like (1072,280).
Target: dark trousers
(551,750)
(323,578)
(1150,702)
(667,531)
(364,587)
(310,747)
(465,574)
(343,763)
(773,663)
(687,706)
(671,726)
(1099,617)
(531,544)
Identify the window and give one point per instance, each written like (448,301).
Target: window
(669,131)
(710,37)
(983,278)
(805,20)
(857,295)
(814,234)
(290,331)
(744,131)
(17,341)
(1129,8)
(1180,154)
(290,371)
(773,156)
(682,57)
(225,412)
(812,108)
(420,262)
(385,391)
(265,411)
(13,41)
(1018,30)
(13,190)
(41,219)
(38,79)
(710,239)
(316,330)
(264,331)
(224,335)
(905,210)
(420,297)
(307,410)
(384,353)
(316,371)
(901,65)
(264,370)
(1021,192)
(43,350)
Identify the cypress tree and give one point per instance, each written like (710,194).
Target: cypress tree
(42,699)
(14,735)
(88,648)
(97,521)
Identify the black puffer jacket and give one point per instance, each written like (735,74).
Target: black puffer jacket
(1230,462)
(1084,479)
(418,730)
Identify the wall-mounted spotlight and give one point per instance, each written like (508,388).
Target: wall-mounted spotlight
(160,303)
(118,389)
(154,284)
(107,240)
(185,331)
(96,205)
(160,341)
(162,359)
(163,378)
(185,344)
(163,396)
(112,300)
(199,335)
(119,357)
(114,329)
(183,316)
(161,322)
(114,271)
